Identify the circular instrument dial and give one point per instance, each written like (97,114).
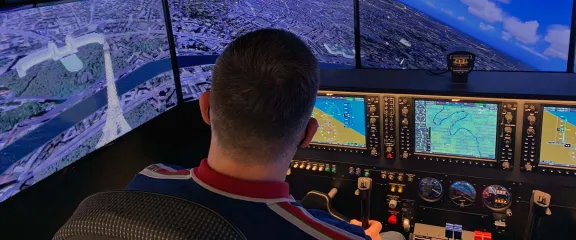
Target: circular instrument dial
(496,197)
(430,189)
(462,193)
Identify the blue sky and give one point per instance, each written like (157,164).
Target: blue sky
(534,31)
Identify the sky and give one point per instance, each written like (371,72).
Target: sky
(536,32)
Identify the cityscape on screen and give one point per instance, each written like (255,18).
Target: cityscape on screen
(74,77)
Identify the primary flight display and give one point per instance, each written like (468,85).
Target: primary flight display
(465,129)
(558,137)
(341,121)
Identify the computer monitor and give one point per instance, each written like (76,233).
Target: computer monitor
(341,120)
(504,35)
(456,128)
(558,137)
(203,29)
(73,78)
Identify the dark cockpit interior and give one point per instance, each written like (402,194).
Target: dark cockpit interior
(440,119)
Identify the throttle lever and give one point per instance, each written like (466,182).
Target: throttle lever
(364,188)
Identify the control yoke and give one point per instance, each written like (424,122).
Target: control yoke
(322,201)
(539,208)
(364,189)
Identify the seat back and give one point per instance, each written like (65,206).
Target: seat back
(140,215)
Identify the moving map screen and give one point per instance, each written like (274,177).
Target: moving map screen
(506,35)
(342,121)
(558,140)
(467,129)
(73,78)
(203,29)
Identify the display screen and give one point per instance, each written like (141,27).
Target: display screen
(203,29)
(342,121)
(466,129)
(73,78)
(558,141)
(505,35)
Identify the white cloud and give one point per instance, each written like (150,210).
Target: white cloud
(559,38)
(431,4)
(530,50)
(485,9)
(506,35)
(504,1)
(461,18)
(486,27)
(525,32)
(449,12)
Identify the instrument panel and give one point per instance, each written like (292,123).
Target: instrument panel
(466,163)
(475,132)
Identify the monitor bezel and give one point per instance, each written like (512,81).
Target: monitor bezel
(457,157)
(540,131)
(334,147)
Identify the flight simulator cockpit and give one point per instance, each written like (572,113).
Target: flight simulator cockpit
(399,141)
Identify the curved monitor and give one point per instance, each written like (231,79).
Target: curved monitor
(202,30)
(73,78)
(506,35)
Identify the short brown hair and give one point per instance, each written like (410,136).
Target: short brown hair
(264,86)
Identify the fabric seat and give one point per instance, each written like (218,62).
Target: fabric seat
(139,215)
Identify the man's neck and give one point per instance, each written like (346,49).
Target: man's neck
(234,167)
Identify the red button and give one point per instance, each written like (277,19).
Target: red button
(392,220)
(477,235)
(389,155)
(486,236)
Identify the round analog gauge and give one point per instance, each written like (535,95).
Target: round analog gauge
(462,193)
(496,197)
(430,189)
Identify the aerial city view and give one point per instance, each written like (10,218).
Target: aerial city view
(204,28)
(74,77)
(506,35)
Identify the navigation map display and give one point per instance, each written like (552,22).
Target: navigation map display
(342,121)
(505,35)
(558,140)
(203,29)
(467,129)
(73,78)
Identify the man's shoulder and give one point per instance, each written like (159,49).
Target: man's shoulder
(166,171)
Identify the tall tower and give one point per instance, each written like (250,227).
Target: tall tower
(116,124)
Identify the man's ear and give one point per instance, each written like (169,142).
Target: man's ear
(205,106)
(309,132)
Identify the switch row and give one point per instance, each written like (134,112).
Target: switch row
(310,166)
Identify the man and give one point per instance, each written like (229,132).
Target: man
(264,86)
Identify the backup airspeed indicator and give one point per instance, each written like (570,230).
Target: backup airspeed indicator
(430,189)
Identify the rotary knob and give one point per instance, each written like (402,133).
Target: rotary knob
(404,112)
(530,131)
(508,117)
(506,165)
(392,203)
(508,130)
(372,120)
(406,225)
(388,149)
(405,155)
(373,152)
(372,109)
(405,121)
(531,119)
(528,167)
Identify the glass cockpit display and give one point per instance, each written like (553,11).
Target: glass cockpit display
(203,29)
(558,137)
(454,128)
(341,120)
(73,78)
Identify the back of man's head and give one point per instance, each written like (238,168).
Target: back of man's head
(264,86)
